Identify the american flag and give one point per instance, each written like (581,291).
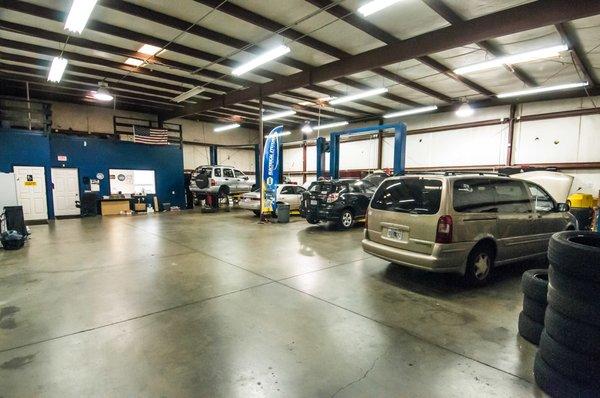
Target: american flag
(147,135)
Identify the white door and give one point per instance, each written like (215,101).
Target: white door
(65,191)
(31,191)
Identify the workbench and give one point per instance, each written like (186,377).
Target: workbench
(114,206)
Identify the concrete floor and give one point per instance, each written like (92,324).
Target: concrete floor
(216,305)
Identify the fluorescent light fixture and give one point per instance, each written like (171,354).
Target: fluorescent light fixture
(546,89)
(79,14)
(57,69)
(330,125)
(226,127)
(102,94)
(513,59)
(376,5)
(362,94)
(261,59)
(277,115)
(188,94)
(465,110)
(134,62)
(148,49)
(411,111)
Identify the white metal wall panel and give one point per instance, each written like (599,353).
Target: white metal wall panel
(194,156)
(242,159)
(565,140)
(358,154)
(478,146)
(292,159)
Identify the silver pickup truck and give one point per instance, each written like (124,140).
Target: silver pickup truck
(224,180)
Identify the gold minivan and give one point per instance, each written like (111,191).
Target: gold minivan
(461,223)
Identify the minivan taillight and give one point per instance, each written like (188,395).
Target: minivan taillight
(444,230)
(212,182)
(332,197)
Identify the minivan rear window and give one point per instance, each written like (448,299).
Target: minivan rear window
(409,195)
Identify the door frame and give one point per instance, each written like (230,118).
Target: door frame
(52,187)
(46,185)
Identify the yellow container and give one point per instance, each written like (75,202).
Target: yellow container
(581,200)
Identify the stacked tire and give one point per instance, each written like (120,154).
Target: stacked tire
(534,285)
(568,361)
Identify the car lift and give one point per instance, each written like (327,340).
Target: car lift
(333,147)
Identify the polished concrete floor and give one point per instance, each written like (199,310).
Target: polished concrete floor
(217,305)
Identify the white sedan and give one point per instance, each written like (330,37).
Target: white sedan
(287,193)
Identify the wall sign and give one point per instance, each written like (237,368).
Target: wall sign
(61,158)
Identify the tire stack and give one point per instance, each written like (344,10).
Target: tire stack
(568,361)
(534,284)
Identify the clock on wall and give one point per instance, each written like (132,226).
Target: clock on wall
(100,176)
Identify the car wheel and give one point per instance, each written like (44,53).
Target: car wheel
(479,265)
(312,221)
(346,219)
(256,213)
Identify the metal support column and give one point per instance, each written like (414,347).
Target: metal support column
(213,155)
(400,149)
(321,146)
(257,170)
(280,165)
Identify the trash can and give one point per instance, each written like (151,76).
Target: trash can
(283,212)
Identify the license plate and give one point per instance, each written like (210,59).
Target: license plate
(394,234)
(313,202)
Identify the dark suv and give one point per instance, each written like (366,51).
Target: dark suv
(340,201)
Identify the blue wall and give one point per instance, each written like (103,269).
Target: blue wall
(26,148)
(91,155)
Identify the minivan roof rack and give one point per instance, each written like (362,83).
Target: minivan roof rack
(455,172)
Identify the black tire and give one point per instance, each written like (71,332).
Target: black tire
(577,336)
(346,220)
(202,181)
(534,310)
(529,329)
(474,274)
(572,287)
(567,362)
(576,253)
(256,213)
(557,385)
(534,284)
(312,220)
(578,310)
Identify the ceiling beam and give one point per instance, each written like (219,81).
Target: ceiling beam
(512,20)
(135,10)
(569,37)
(443,10)
(129,89)
(273,26)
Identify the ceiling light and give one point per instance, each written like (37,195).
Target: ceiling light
(277,115)
(465,110)
(546,89)
(306,129)
(134,61)
(376,5)
(513,59)
(330,125)
(79,15)
(226,127)
(148,49)
(57,69)
(188,94)
(261,59)
(411,111)
(362,94)
(102,94)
